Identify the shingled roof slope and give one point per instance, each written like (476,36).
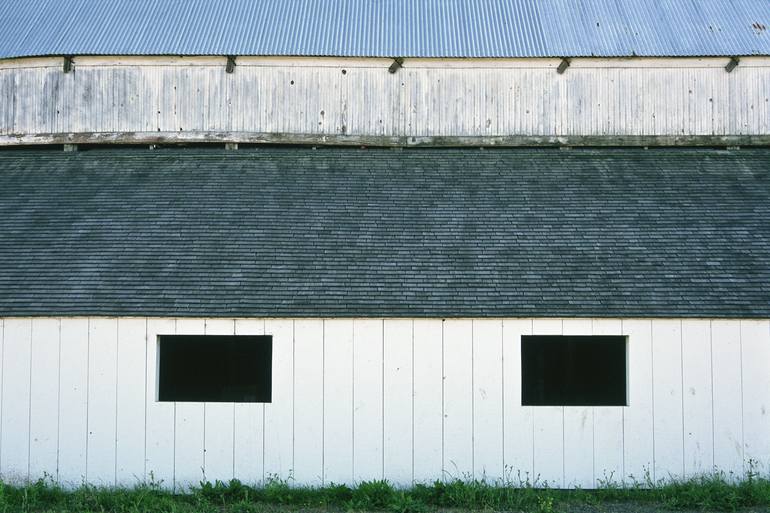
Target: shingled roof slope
(350,232)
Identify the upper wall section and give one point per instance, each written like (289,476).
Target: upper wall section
(428,101)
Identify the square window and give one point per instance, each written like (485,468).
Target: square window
(573,370)
(215,368)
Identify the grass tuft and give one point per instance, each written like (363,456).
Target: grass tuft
(713,492)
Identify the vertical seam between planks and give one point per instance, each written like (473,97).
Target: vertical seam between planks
(234,408)
(442,401)
(411,399)
(743,435)
(2,381)
(382,399)
(117,377)
(293,389)
(58,407)
(29,404)
(264,407)
(173,452)
(681,383)
(323,401)
(652,387)
(353,398)
(146,341)
(713,423)
(88,389)
(473,400)
(502,400)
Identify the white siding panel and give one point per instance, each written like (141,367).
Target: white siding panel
(102,400)
(608,424)
(549,425)
(248,432)
(458,399)
(488,400)
(698,414)
(638,416)
(219,419)
(667,397)
(189,435)
(132,370)
(160,435)
(367,400)
(44,399)
(189,427)
(518,428)
(14,442)
(308,401)
(755,345)
(427,408)
(397,406)
(73,402)
(728,397)
(578,428)
(338,402)
(279,414)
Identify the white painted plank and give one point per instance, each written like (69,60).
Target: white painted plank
(755,350)
(308,401)
(102,390)
(458,399)
(73,402)
(279,414)
(189,459)
(518,427)
(696,381)
(667,397)
(219,419)
(578,428)
(367,400)
(548,425)
(189,426)
(728,414)
(44,404)
(488,400)
(132,394)
(398,401)
(608,424)
(14,439)
(638,416)
(427,409)
(338,402)
(160,435)
(248,466)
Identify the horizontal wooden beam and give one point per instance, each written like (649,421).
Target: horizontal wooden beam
(374,140)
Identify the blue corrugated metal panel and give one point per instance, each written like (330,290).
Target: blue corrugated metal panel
(409,28)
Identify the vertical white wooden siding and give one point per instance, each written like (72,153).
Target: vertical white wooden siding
(425,98)
(361,399)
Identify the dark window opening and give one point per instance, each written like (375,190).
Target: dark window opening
(215,368)
(573,370)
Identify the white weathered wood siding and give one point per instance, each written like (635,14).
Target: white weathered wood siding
(361,399)
(358,97)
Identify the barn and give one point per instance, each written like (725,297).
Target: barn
(331,241)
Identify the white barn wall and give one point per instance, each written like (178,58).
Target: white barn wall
(358,97)
(361,399)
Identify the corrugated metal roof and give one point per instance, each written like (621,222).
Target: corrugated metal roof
(372,28)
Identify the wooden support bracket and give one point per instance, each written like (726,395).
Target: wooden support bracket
(230,64)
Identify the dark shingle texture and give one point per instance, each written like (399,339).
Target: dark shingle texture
(348,232)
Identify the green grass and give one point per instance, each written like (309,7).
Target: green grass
(715,492)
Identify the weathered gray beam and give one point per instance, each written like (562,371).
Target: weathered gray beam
(155,138)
